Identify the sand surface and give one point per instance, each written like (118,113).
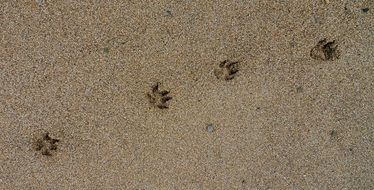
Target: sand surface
(79,108)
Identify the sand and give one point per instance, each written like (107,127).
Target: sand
(79,106)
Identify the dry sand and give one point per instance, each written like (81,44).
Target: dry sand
(75,114)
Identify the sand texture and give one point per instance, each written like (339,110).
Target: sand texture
(187,94)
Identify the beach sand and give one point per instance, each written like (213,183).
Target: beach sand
(83,101)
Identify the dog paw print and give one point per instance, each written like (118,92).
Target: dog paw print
(325,51)
(158,98)
(46,145)
(227,70)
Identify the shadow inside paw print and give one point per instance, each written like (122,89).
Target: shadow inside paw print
(46,145)
(227,70)
(158,98)
(325,51)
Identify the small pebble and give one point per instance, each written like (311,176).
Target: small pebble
(365,10)
(210,128)
(299,89)
(333,134)
(88,93)
(106,50)
(40,2)
(168,13)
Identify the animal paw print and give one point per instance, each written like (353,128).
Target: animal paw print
(159,98)
(227,70)
(46,145)
(325,51)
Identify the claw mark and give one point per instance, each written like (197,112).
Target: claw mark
(158,98)
(227,70)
